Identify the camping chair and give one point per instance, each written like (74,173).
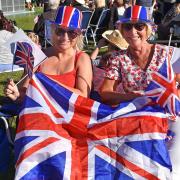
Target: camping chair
(4,119)
(47,33)
(8,111)
(87,15)
(97,29)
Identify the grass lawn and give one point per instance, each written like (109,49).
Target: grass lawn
(26,21)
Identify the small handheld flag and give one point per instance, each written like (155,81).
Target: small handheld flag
(23,57)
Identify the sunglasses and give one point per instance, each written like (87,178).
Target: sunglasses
(137,26)
(72,34)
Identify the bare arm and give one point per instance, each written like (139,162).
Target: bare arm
(102,42)
(83,76)
(177,77)
(110,96)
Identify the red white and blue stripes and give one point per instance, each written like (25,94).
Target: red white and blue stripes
(135,13)
(68,17)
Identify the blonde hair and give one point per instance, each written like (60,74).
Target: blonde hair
(80,42)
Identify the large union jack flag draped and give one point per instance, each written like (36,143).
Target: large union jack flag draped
(23,57)
(162,88)
(65,136)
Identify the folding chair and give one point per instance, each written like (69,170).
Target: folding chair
(47,33)
(96,30)
(4,119)
(87,16)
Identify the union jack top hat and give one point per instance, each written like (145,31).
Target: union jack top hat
(135,14)
(68,17)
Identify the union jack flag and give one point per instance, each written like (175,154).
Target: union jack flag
(65,136)
(162,88)
(23,57)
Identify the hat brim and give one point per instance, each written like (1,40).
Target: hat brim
(65,27)
(122,45)
(127,20)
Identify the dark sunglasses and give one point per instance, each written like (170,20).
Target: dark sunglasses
(137,26)
(72,34)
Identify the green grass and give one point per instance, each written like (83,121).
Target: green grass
(26,21)
(3,80)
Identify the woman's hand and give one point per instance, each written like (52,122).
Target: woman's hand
(11,90)
(141,101)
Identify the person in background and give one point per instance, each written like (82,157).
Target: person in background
(100,3)
(80,4)
(65,64)
(65,2)
(113,40)
(117,11)
(34,37)
(39,27)
(6,32)
(149,4)
(167,21)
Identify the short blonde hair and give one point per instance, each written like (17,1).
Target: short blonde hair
(80,42)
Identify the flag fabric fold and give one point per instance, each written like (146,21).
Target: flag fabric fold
(65,136)
(162,89)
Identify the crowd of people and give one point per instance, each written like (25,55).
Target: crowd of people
(129,62)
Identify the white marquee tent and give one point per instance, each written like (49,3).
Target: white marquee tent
(12,6)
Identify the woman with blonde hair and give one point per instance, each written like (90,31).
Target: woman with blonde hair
(66,64)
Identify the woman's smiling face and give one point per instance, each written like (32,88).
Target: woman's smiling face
(64,38)
(135,33)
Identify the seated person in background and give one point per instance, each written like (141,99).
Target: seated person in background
(80,4)
(117,11)
(39,27)
(114,41)
(65,64)
(149,4)
(167,21)
(6,32)
(100,3)
(34,37)
(8,24)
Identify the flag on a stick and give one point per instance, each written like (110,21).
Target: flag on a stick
(23,57)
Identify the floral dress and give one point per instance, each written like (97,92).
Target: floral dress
(133,78)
